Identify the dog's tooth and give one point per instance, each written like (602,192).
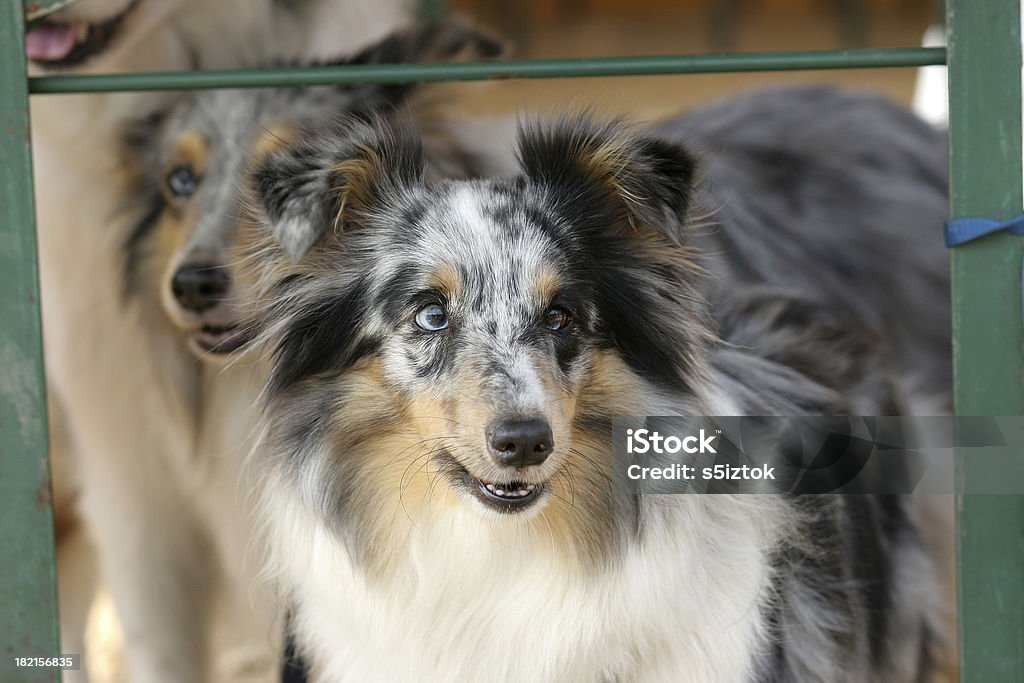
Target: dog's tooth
(499,492)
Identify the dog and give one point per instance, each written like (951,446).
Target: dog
(838,193)
(434,460)
(183,200)
(105,373)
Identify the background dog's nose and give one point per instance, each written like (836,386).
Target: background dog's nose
(520,443)
(199,287)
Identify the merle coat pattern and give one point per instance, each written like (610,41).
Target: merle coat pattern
(412,321)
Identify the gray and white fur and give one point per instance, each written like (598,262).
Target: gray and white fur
(435,455)
(839,195)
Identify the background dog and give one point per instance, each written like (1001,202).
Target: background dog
(436,456)
(105,370)
(184,167)
(840,195)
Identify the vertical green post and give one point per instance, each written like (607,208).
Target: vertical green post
(28,598)
(985,177)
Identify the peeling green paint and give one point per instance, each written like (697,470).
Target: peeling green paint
(28,600)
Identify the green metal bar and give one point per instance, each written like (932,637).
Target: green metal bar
(28,598)
(555,68)
(985,176)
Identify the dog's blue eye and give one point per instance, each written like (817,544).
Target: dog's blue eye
(557,319)
(432,317)
(182,182)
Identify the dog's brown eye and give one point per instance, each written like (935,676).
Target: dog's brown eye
(432,317)
(557,319)
(182,182)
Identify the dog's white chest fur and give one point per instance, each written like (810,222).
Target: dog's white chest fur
(472,603)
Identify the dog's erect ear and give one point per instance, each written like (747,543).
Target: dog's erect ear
(329,182)
(601,166)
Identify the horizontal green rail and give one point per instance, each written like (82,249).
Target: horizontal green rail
(553,68)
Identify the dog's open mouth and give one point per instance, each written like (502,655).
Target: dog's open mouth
(512,496)
(62,44)
(221,339)
(508,496)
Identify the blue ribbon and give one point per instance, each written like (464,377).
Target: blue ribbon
(964,230)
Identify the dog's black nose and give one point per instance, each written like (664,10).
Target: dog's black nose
(520,443)
(199,287)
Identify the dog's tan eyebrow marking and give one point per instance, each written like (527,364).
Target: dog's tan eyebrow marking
(547,285)
(273,138)
(445,280)
(191,147)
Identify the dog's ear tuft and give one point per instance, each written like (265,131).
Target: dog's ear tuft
(382,159)
(329,182)
(643,179)
(290,187)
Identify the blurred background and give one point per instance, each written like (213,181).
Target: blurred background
(540,29)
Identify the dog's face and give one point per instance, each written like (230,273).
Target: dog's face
(192,209)
(467,343)
(185,168)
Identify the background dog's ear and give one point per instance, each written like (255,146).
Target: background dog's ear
(308,189)
(448,41)
(606,166)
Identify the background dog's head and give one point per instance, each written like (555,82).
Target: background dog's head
(184,166)
(92,33)
(100,36)
(466,343)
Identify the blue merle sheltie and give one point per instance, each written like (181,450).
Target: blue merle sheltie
(435,458)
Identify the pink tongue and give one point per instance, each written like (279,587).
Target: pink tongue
(50,42)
